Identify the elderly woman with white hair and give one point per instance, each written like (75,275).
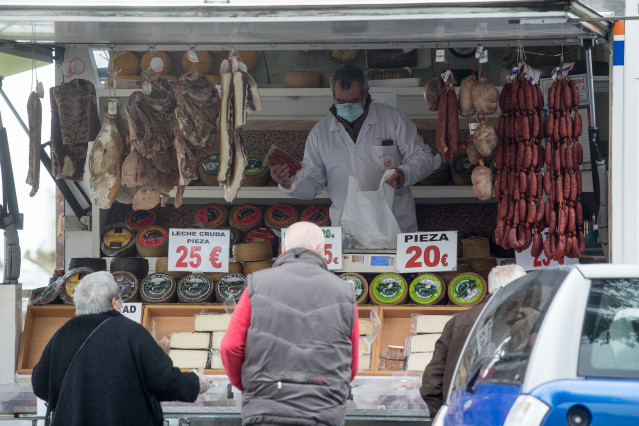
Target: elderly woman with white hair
(101,368)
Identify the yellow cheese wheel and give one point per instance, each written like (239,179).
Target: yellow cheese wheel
(127,63)
(299,79)
(205,66)
(145,61)
(250,252)
(249,57)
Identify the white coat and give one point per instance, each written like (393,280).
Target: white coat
(331,157)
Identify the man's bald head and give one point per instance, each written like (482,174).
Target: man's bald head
(304,235)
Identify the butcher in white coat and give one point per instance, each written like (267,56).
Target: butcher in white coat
(362,138)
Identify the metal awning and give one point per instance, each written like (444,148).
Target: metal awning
(16,58)
(283,25)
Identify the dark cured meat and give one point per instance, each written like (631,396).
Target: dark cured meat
(34,112)
(67,161)
(78,111)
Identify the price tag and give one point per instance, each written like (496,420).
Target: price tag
(472,127)
(332,245)
(484,57)
(440,55)
(199,250)
(156,64)
(132,311)
(192,55)
(427,251)
(529,262)
(478,51)
(112,108)
(447,75)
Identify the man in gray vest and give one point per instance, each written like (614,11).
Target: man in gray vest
(292,345)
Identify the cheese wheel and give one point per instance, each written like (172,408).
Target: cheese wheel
(248,252)
(256,172)
(316,214)
(158,288)
(204,66)
(230,286)
(388,289)
(245,217)
(280,216)
(127,63)
(195,288)
(152,241)
(208,170)
(140,219)
(214,78)
(138,266)
(302,79)
(359,284)
(118,240)
(145,61)
(250,267)
(467,289)
(95,264)
(212,216)
(262,234)
(70,280)
(427,289)
(129,286)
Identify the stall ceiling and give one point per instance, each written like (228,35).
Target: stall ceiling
(396,23)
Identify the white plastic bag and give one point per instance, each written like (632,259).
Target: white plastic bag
(367,219)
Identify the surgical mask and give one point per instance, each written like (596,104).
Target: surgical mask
(349,111)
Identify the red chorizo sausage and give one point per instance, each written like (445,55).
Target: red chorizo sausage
(440,136)
(542,126)
(579,214)
(529,97)
(547,182)
(579,182)
(559,190)
(569,128)
(575,94)
(547,212)
(562,127)
(536,245)
(540,211)
(523,210)
(523,182)
(521,97)
(580,154)
(556,164)
(452,124)
(540,186)
(559,105)
(546,247)
(561,221)
(555,130)
(551,98)
(532,185)
(570,158)
(551,125)
(527,156)
(566,185)
(525,128)
(571,220)
(573,188)
(552,224)
(548,153)
(582,242)
(528,238)
(561,247)
(576,125)
(499,231)
(562,155)
(514,95)
(567,95)
(532,212)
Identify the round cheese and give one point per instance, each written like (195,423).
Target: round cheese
(250,267)
(95,264)
(316,214)
(230,286)
(204,66)
(359,284)
(280,216)
(467,289)
(138,266)
(70,280)
(208,170)
(118,240)
(195,288)
(129,287)
(158,288)
(152,241)
(248,252)
(256,171)
(139,219)
(211,216)
(388,289)
(426,289)
(127,63)
(236,237)
(262,234)
(145,61)
(245,217)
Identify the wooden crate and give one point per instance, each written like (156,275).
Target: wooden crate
(40,324)
(396,327)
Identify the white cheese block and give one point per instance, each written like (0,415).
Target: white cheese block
(185,340)
(217,339)
(364,362)
(212,322)
(423,342)
(216,361)
(418,361)
(365,345)
(365,326)
(431,323)
(187,358)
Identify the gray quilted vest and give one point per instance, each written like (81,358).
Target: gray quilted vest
(298,352)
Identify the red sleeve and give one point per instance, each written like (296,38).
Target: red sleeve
(355,341)
(232,345)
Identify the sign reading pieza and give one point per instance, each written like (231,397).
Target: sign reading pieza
(199,250)
(427,251)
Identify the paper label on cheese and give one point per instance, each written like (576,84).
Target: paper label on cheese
(157,286)
(389,288)
(231,285)
(117,238)
(246,215)
(466,289)
(211,164)
(138,219)
(254,165)
(236,236)
(425,289)
(210,215)
(355,282)
(194,287)
(153,236)
(280,214)
(71,282)
(259,234)
(316,214)
(127,283)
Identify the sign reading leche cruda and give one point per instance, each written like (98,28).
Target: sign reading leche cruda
(199,250)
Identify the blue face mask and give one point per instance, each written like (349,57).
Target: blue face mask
(350,111)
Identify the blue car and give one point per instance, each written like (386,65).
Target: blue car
(556,347)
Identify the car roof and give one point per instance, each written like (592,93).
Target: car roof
(608,270)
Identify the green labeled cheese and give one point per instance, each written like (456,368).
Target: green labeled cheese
(388,289)
(360,286)
(158,288)
(195,288)
(426,289)
(467,289)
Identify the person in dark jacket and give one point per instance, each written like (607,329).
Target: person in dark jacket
(292,345)
(439,371)
(121,373)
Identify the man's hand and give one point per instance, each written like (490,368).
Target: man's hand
(205,383)
(397,179)
(281,174)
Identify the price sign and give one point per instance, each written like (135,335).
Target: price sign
(427,251)
(332,245)
(529,262)
(132,311)
(199,250)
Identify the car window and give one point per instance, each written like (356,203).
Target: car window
(500,345)
(610,336)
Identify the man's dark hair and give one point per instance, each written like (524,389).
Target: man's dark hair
(346,75)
